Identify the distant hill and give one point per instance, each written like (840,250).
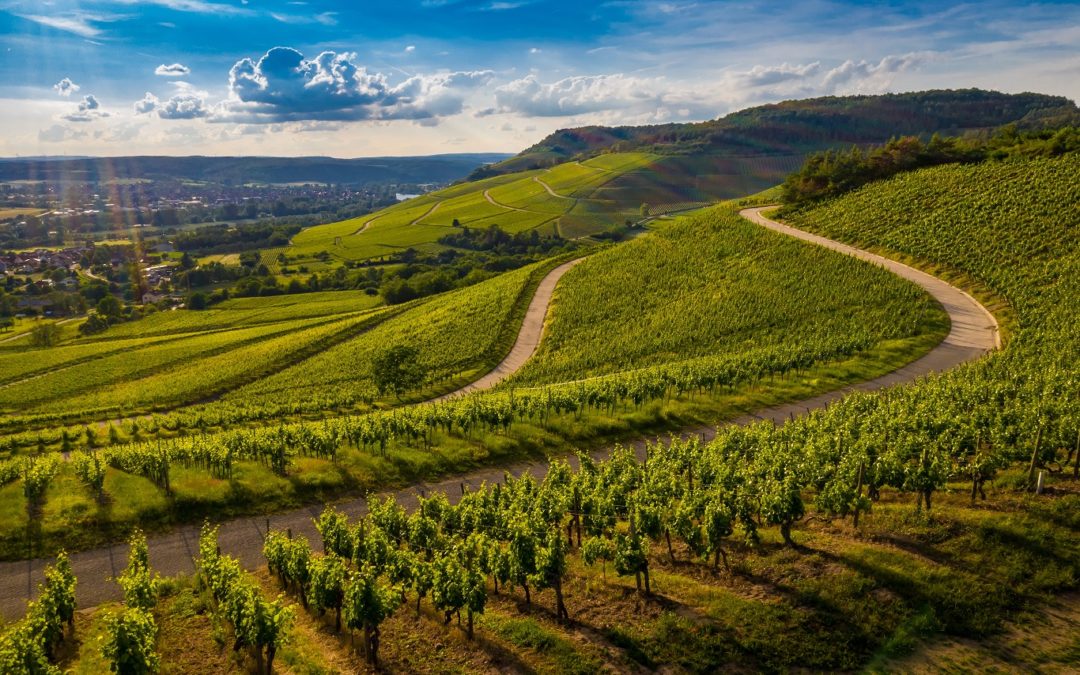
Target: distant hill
(764,143)
(240,170)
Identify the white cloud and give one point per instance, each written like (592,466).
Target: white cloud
(194,6)
(325,18)
(66,87)
(283,86)
(79,23)
(578,95)
(764,75)
(410,48)
(189,104)
(864,75)
(59,133)
(174,70)
(147,104)
(89,109)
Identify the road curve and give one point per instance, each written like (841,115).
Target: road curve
(529,335)
(552,192)
(494,202)
(974,332)
(973,326)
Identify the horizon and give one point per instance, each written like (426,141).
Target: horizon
(118,78)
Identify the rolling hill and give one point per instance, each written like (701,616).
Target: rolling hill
(240,170)
(579,182)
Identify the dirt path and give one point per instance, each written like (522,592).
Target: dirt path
(552,192)
(528,339)
(493,202)
(974,333)
(433,209)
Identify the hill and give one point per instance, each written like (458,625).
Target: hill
(580,182)
(737,551)
(241,170)
(801,126)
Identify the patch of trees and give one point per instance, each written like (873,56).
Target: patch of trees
(833,172)
(225,238)
(496,240)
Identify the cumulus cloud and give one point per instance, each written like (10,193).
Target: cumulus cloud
(89,109)
(174,70)
(767,75)
(66,87)
(577,95)
(283,86)
(187,105)
(872,75)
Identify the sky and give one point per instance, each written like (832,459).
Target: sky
(419,77)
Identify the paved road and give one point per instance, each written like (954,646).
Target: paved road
(528,339)
(974,332)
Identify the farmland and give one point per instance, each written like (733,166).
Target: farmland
(908,509)
(707,545)
(515,202)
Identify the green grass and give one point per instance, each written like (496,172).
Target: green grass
(526,205)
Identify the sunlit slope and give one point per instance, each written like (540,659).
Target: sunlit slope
(564,199)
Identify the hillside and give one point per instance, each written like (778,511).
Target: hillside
(889,531)
(800,126)
(581,182)
(242,170)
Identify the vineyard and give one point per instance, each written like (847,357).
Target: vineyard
(254,359)
(715,286)
(565,199)
(237,453)
(865,533)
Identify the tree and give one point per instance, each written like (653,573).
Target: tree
(109,307)
(397,370)
(197,301)
(645,211)
(45,334)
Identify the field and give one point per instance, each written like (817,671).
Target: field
(9,213)
(737,285)
(222,461)
(885,531)
(516,202)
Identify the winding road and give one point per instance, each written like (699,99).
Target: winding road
(974,332)
(528,339)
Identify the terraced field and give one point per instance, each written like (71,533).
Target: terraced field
(516,203)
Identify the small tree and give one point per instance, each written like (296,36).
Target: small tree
(45,334)
(197,301)
(397,370)
(109,307)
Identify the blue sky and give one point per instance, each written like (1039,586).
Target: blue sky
(305,77)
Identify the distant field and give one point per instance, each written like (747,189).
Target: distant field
(516,202)
(15,213)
